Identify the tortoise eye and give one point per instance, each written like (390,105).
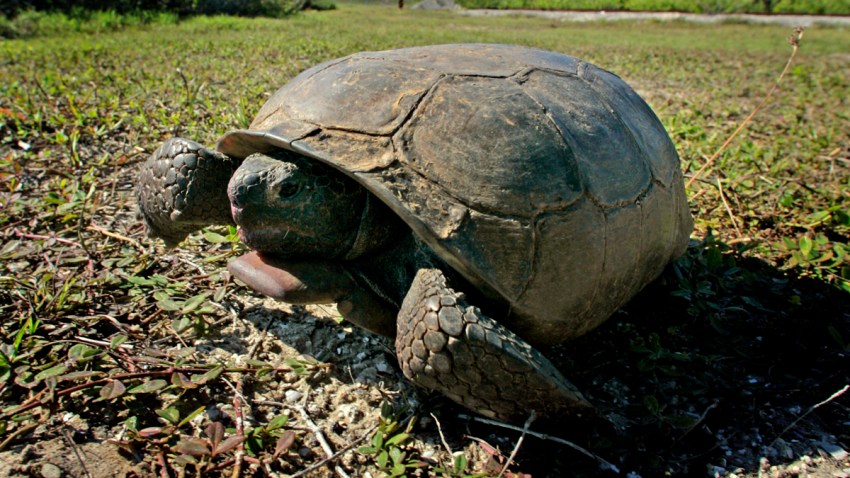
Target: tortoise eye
(288,190)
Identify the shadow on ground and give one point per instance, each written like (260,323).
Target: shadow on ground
(713,369)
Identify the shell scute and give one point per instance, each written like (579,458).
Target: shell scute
(359,94)
(488,144)
(569,257)
(612,164)
(644,126)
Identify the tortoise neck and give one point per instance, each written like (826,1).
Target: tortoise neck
(379,227)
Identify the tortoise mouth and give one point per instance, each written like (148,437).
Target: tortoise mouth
(274,242)
(289,243)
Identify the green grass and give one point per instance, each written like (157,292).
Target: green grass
(80,110)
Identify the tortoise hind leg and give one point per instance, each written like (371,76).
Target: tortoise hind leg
(445,345)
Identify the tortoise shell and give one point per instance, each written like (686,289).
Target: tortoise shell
(545,181)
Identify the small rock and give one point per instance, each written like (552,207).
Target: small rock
(293,396)
(49,470)
(382,367)
(368,375)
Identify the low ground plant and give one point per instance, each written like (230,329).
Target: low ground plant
(111,341)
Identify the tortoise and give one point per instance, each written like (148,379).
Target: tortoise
(477,202)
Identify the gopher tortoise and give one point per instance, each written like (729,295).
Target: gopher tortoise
(472,201)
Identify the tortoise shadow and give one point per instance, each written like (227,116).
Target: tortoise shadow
(715,367)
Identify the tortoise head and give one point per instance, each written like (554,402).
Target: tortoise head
(290,206)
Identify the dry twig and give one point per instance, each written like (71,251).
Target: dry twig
(336,455)
(320,437)
(794,40)
(604,464)
(518,443)
(810,410)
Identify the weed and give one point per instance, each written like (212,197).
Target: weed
(386,446)
(100,323)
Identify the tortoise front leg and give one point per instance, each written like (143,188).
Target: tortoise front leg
(446,345)
(183,188)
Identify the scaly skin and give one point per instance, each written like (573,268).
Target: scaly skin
(183,188)
(446,345)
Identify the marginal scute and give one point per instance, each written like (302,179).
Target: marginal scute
(570,250)
(658,222)
(622,278)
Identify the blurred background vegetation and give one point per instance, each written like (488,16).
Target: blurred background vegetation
(819,7)
(26,18)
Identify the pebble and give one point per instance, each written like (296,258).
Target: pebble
(49,470)
(293,396)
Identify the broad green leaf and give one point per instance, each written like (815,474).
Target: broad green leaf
(193,302)
(117,341)
(136,280)
(51,372)
(149,386)
(80,375)
(460,463)
(397,469)
(181,323)
(170,414)
(214,237)
(277,422)
(397,439)
(181,381)
(378,440)
(396,455)
(805,246)
(82,352)
(168,304)
(132,423)
(211,375)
